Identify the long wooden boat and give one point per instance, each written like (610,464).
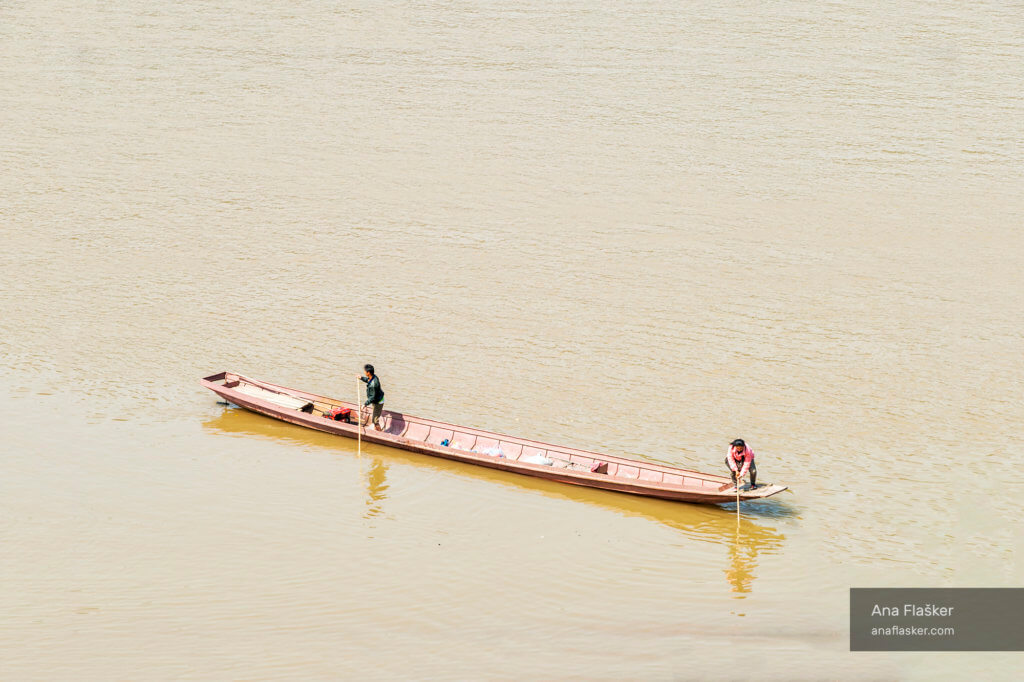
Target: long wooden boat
(484,448)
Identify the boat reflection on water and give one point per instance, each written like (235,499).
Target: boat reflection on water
(746,537)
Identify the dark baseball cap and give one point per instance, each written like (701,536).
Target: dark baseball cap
(738,443)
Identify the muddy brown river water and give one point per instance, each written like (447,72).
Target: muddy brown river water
(644,229)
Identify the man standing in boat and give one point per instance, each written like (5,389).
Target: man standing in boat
(374,396)
(740,461)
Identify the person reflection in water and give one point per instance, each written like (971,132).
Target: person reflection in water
(742,562)
(376,488)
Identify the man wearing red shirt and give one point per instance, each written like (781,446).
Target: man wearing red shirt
(740,460)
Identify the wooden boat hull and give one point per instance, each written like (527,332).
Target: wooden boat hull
(475,446)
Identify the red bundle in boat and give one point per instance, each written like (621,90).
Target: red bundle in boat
(340,414)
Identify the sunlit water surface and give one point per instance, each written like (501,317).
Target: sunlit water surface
(643,229)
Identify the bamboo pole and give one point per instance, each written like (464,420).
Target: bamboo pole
(737,500)
(359,416)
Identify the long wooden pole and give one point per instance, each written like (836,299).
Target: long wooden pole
(738,479)
(732,461)
(359,416)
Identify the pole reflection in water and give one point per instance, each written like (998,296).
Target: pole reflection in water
(702,523)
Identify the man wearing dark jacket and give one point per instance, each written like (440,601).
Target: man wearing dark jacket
(374,396)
